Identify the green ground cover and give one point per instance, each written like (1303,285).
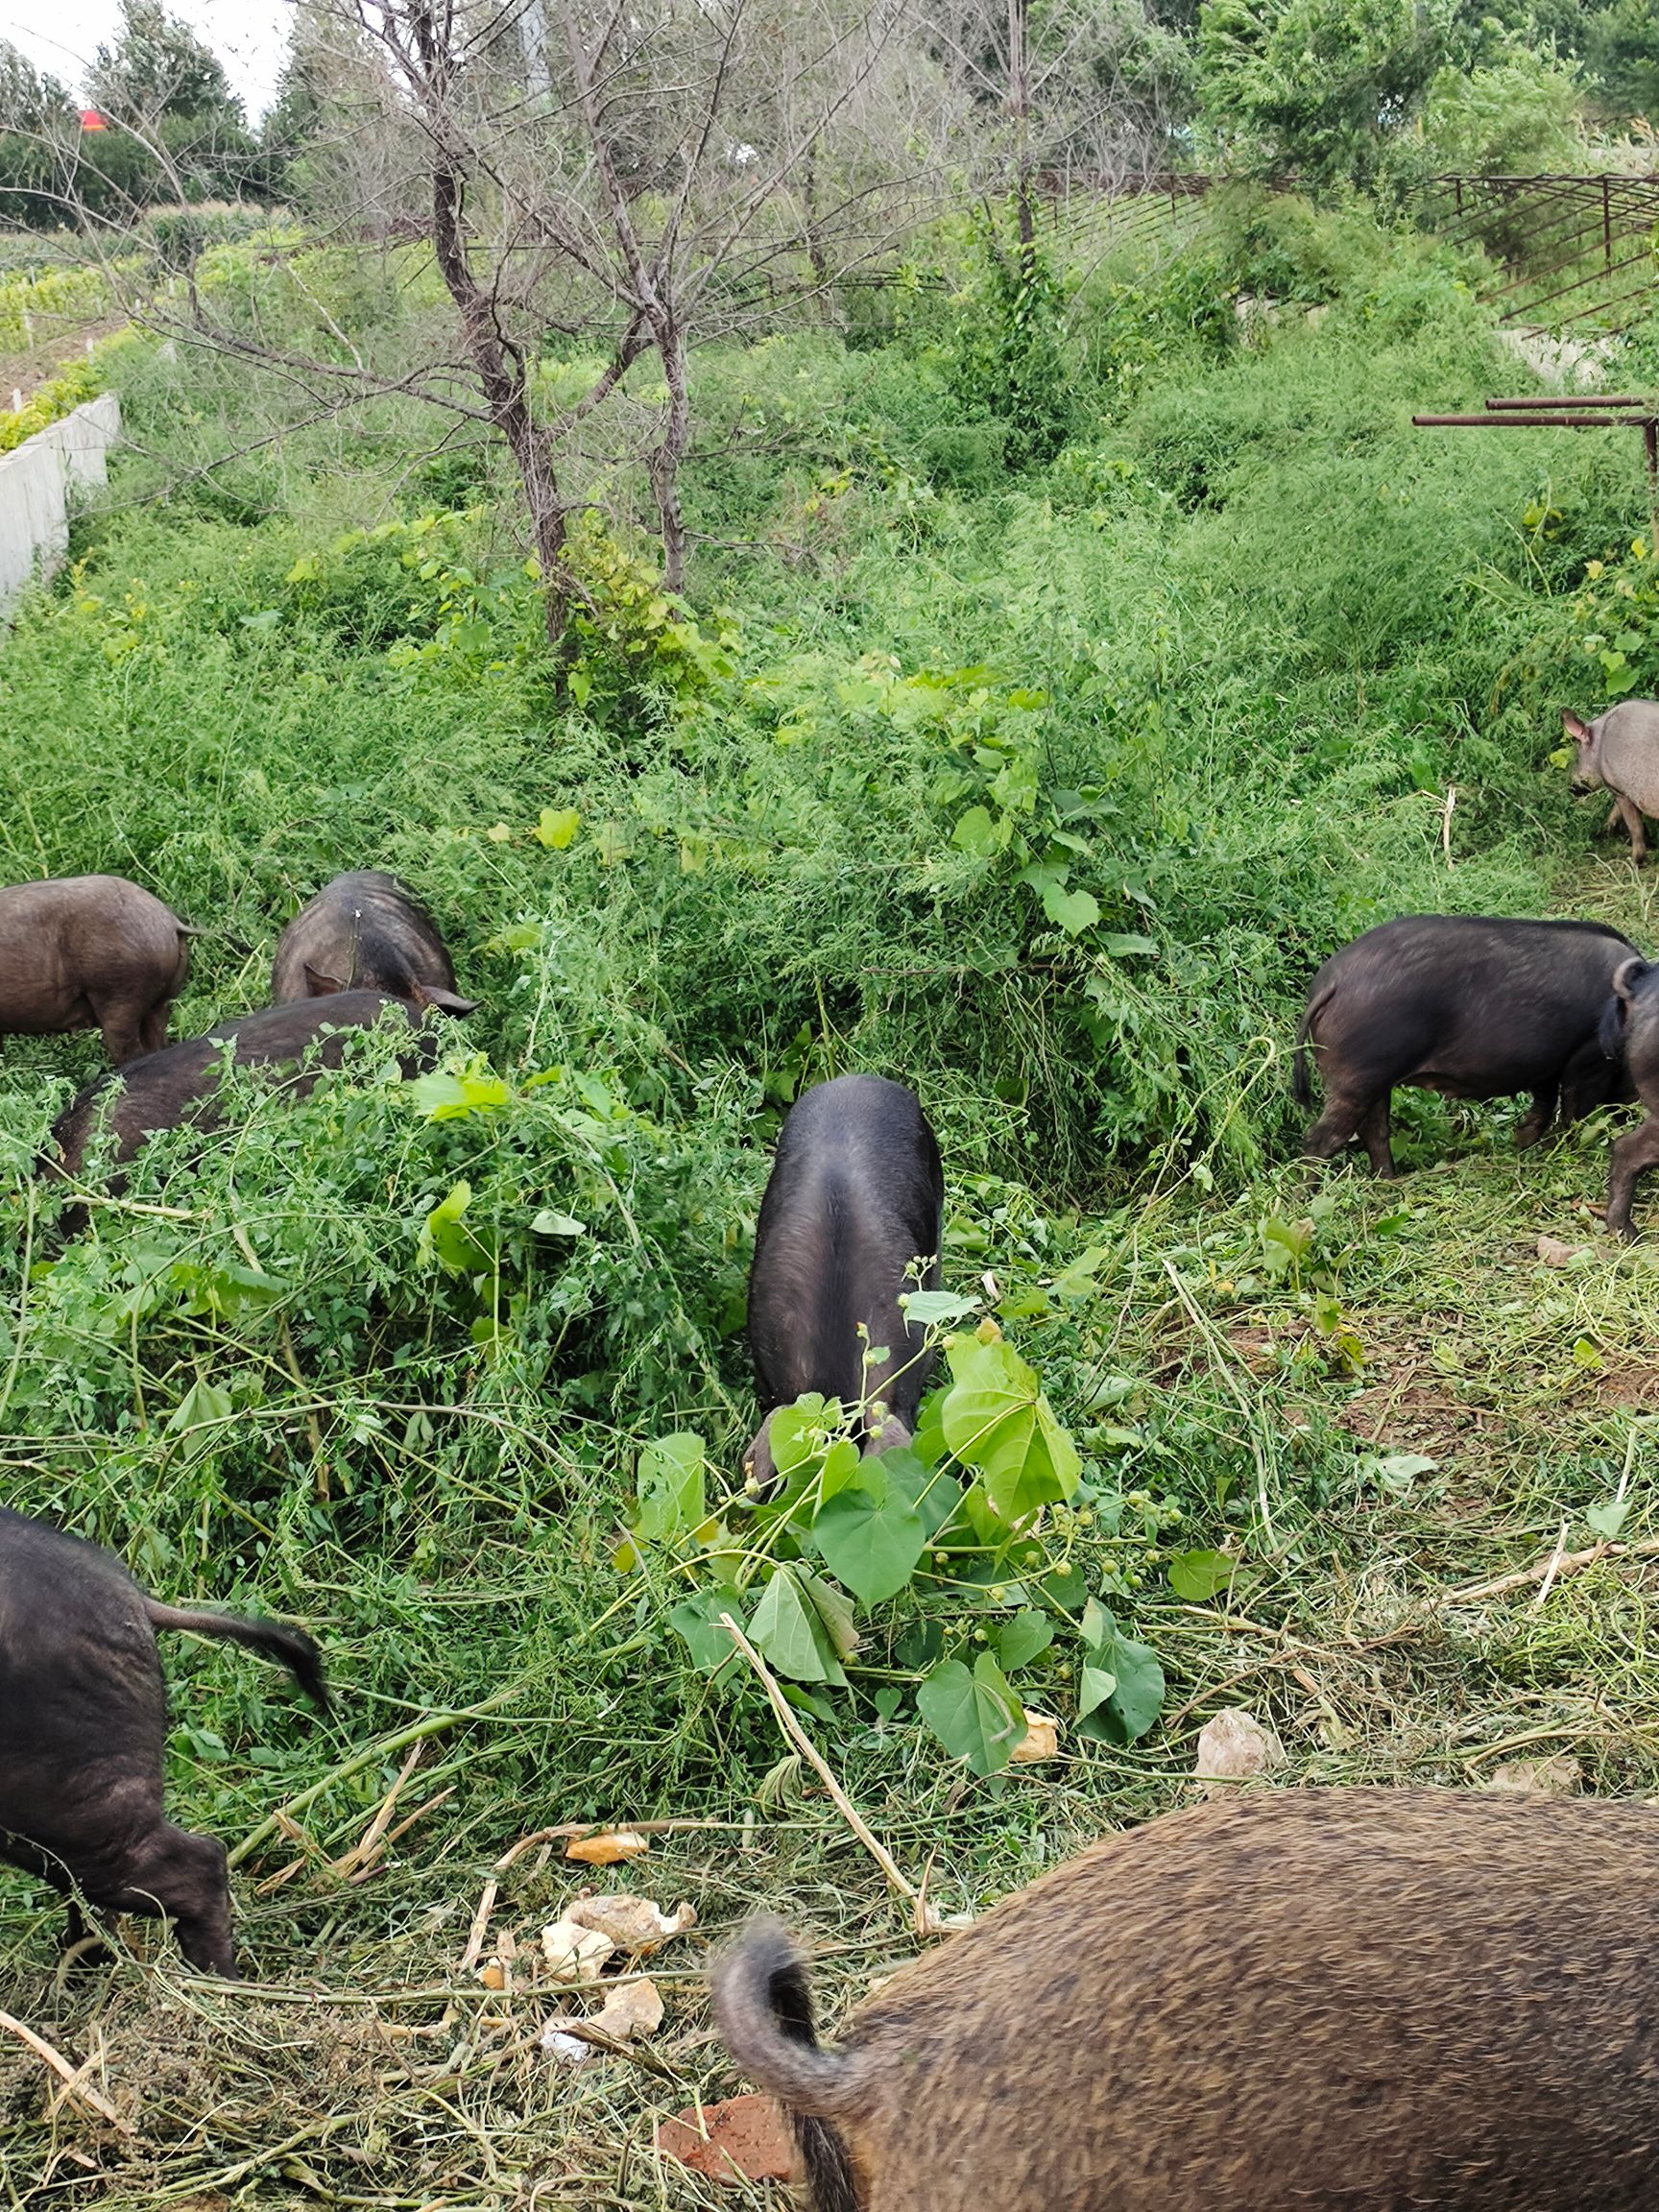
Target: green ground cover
(1044,786)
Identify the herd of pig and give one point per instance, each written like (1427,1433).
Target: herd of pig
(1318,1998)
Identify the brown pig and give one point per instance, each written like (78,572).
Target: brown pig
(365,931)
(90,953)
(166,1089)
(82,1736)
(1291,2001)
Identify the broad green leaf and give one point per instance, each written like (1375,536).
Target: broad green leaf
(872,1544)
(977,833)
(842,1467)
(998,1422)
(1023,1639)
(795,1433)
(1608,1518)
(1072,911)
(446,1098)
(977,1716)
(1078,1280)
(559,825)
(550,1222)
(669,1486)
(787,1632)
(447,1238)
(1197,1576)
(697,1619)
(1123,1713)
(1121,944)
(936,1496)
(834,1609)
(202,1404)
(223,1290)
(931,1309)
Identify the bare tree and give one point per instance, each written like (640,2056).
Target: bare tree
(613,180)
(1058,88)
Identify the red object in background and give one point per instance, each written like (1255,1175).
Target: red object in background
(91,120)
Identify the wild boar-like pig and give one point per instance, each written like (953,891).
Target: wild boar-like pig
(1619,752)
(1473,1007)
(83,1735)
(1292,2001)
(90,953)
(850,1219)
(365,931)
(166,1089)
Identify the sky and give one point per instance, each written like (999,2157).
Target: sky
(250,37)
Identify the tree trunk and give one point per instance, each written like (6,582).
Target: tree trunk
(1020,112)
(499,365)
(819,260)
(668,456)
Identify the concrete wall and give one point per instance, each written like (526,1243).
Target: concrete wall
(40,480)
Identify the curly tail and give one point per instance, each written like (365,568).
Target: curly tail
(1616,1013)
(296,1650)
(763,2008)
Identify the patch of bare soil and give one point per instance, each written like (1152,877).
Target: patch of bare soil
(1417,1416)
(1629,1383)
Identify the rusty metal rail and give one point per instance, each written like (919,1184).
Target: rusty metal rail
(1569,411)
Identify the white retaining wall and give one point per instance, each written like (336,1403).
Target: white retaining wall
(38,481)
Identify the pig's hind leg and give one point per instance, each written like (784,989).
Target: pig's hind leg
(1633,818)
(123,1033)
(1535,1122)
(1351,1115)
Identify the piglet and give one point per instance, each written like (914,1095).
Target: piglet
(365,931)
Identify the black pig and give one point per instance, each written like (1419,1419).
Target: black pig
(82,1733)
(163,1089)
(1472,1008)
(365,931)
(1632,1026)
(850,1219)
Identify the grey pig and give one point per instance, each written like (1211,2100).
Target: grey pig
(90,953)
(82,1736)
(1619,752)
(365,931)
(850,1219)
(1292,2001)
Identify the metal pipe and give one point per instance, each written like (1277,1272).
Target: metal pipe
(1513,422)
(1571,400)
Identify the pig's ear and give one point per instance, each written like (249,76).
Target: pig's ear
(1576,729)
(446,1001)
(321,986)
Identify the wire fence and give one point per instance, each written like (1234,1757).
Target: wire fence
(1573,249)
